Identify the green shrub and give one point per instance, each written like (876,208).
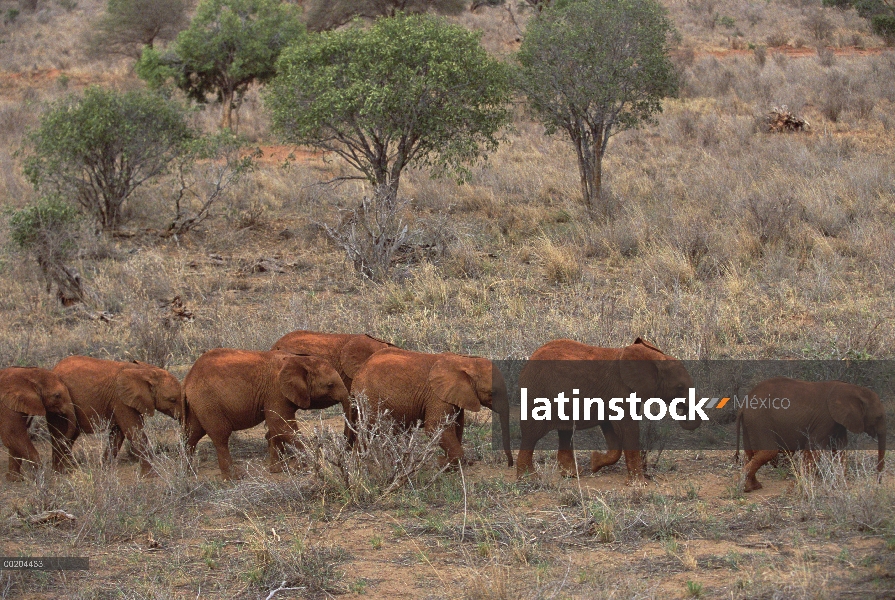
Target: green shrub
(98,148)
(884,26)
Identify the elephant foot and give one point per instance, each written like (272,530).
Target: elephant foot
(14,477)
(568,466)
(524,464)
(235,473)
(453,464)
(751,485)
(640,480)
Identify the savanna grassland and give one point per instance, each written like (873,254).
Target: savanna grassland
(722,241)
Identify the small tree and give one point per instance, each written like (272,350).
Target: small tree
(594,68)
(130,25)
(411,90)
(229,45)
(48,231)
(98,148)
(322,15)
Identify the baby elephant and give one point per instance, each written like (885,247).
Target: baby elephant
(414,386)
(228,390)
(789,415)
(27,392)
(120,394)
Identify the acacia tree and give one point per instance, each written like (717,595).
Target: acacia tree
(410,90)
(130,25)
(98,148)
(229,45)
(594,68)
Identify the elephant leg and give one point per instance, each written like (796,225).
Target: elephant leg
(598,459)
(350,420)
(131,424)
(758,459)
(276,446)
(116,439)
(452,447)
(280,431)
(225,461)
(629,437)
(525,458)
(22,455)
(809,460)
(565,455)
(194,432)
(63,458)
(458,425)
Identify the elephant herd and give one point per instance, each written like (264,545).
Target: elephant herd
(228,390)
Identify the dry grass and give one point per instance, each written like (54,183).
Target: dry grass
(721,242)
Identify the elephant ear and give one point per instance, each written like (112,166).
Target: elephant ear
(847,407)
(356,352)
(133,388)
(638,367)
(293,382)
(24,401)
(451,378)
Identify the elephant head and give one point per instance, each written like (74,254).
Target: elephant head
(307,380)
(859,410)
(653,374)
(147,388)
(469,383)
(36,392)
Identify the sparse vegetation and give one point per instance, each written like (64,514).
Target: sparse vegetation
(725,242)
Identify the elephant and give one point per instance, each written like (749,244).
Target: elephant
(414,386)
(26,392)
(345,352)
(120,394)
(640,368)
(805,415)
(228,390)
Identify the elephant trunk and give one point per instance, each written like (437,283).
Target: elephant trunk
(687,424)
(881,441)
(71,425)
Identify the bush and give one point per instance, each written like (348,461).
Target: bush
(384,459)
(884,26)
(97,149)
(48,231)
(371,233)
